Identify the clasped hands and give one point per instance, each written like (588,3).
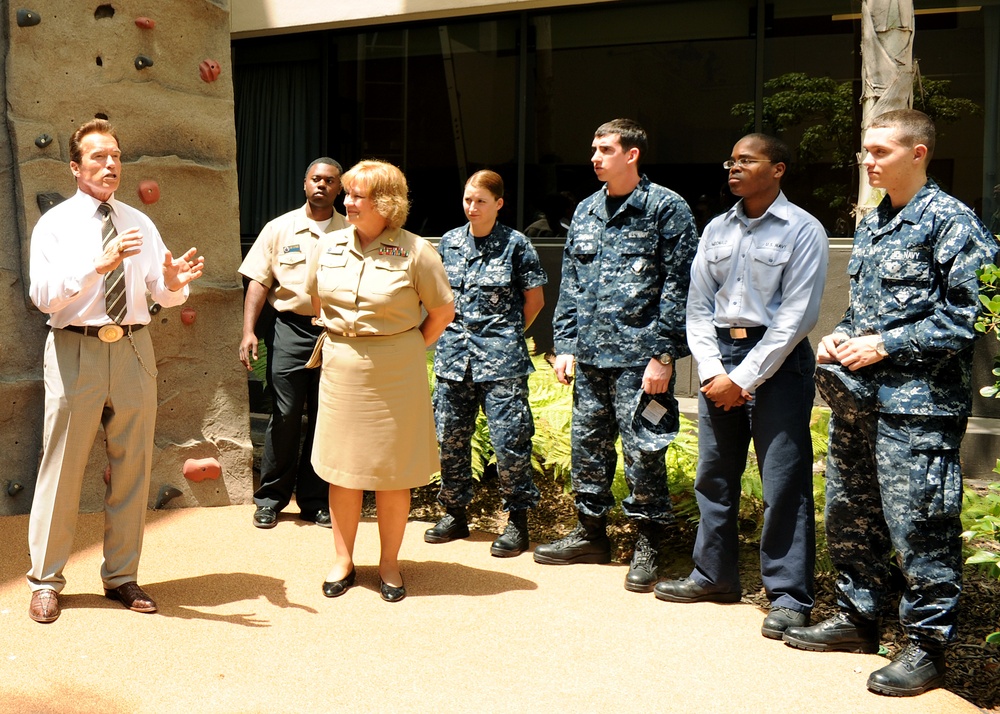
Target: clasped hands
(852,352)
(724,393)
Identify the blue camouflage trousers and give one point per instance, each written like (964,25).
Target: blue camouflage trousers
(603,408)
(894,484)
(505,403)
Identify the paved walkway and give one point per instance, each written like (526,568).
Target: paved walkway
(243,628)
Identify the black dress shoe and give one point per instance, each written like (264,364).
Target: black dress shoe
(390,593)
(780,619)
(337,588)
(840,633)
(912,672)
(265,517)
(687,590)
(320,517)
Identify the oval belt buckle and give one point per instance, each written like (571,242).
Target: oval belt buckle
(110,333)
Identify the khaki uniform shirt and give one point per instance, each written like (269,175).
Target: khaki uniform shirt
(379,290)
(279,257)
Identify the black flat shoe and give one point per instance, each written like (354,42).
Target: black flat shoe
(339,587)
(390,593)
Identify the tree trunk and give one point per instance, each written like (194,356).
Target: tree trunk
(886,74)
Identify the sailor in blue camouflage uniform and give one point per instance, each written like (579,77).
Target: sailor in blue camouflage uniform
(482,360)
(897,375)
(619,327)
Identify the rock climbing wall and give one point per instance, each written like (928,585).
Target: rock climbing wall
(161,73)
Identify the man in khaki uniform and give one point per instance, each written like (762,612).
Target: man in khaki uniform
(276,269)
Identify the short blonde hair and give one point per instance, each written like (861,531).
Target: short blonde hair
(386,187)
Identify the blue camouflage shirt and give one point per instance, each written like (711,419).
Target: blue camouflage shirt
(489,277)
(625,279)
(913,280)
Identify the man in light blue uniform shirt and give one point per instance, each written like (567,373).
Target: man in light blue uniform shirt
(756,285)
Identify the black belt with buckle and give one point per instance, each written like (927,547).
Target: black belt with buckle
(741,333)
(105,333)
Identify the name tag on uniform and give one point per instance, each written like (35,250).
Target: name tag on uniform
(292,249)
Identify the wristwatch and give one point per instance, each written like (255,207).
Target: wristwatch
(665,359)
(880,348)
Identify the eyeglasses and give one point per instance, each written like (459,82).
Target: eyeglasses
(743,163)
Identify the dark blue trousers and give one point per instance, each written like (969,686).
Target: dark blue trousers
(294,389)
(777,419)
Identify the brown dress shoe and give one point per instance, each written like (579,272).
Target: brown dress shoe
(132,596)
(44,606)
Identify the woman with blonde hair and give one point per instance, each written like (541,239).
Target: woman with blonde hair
(375,428)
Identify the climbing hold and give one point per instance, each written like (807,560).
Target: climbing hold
(14,488)
(198,470)
(43,140)
(187,315)
(48,200)
(142,61)
(155,308)
(149,191)
(144,23)
(209,70)
(167,493)
(28,18)
(107,474)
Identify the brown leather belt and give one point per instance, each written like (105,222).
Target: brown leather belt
(105,333)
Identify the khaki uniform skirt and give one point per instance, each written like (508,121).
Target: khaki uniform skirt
(375,426)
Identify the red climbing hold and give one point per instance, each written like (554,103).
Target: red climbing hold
(198,470)
(149,191)
(210,70)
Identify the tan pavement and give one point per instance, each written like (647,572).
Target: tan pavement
(244,628)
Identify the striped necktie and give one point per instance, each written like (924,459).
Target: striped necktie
(114,282)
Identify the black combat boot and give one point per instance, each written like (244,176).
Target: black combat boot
(514,539)
(452,527)
(641,576)
(914,670)
(841,633)
(587,543)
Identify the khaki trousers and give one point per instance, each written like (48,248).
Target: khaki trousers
(89,383)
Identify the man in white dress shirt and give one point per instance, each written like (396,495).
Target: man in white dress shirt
(97,370)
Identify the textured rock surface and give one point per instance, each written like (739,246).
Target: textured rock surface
(175,130)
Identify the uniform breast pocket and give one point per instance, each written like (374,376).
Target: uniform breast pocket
(766,268)
(455,273)
(390,276)
(638,259)
(584,254)
(292,268)
(718,258)
(906,281)
(330,271)
(495,291)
